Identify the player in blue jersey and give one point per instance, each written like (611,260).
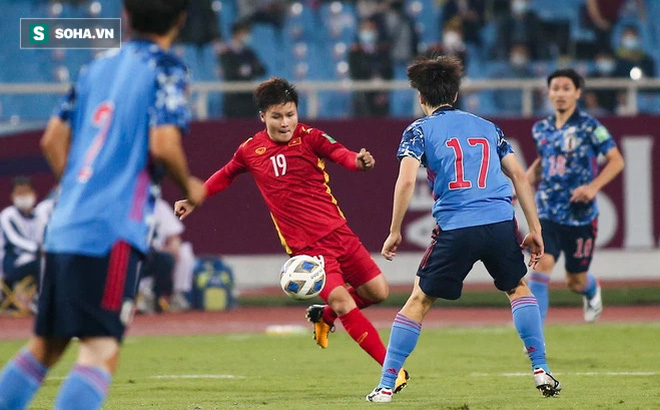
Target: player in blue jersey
(569,143)
(116,131)
(468,161)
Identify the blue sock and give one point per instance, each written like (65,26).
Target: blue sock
(538,284)
(590,287)
(20,380)
(85,388)
(403,339)
(527,318)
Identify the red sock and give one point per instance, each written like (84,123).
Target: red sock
(329,315)
(365,334)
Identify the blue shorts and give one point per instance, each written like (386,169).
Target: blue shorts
(451,255)
(86,296)
(577,243)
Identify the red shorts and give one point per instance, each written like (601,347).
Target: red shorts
(347,261)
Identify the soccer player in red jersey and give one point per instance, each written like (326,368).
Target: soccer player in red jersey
(286,160)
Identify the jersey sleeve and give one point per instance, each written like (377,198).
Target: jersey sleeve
(327,147)
(503,146)
(170,107)
(600,137)
(412,144)
(222,178)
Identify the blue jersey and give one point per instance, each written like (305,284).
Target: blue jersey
(568,160)
(107,191)
(462,154)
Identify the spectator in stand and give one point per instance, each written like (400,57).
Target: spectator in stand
(593,106)
(400,33)
(452,42)
(264,11)
(367,60)
(471,14)
(602,16)
(240,63)
(509,102)
(631,55)
(202,25)
(606,67)
(521,26)
(403,39)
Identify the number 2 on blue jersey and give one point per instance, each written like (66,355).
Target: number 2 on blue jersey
(101,118)
(460,182)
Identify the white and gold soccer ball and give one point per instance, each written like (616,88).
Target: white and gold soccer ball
(303,276)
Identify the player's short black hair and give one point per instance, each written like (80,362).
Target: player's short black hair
(275,91)
(576,78)
(21,180)
(436,78)
(154,16)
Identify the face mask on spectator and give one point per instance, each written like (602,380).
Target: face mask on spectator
(630,42)
(247,40)
(24,202)
(519,6)
(451,39)
(368,37)
(605,65)
(519,60)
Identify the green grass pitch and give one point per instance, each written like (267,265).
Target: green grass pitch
(602,366)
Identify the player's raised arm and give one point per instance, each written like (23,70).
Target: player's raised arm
(55,145)
(216,183)
(512,169)
(403,192)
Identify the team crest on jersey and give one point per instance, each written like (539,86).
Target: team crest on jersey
(571,140)
(295,141)
(260,150)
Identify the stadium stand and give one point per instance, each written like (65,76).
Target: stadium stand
(313,45)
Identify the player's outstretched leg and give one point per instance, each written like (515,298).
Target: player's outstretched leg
(527,319)
(403,339)
(323,316)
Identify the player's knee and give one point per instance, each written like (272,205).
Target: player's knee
(378,294)
(341,302)
(47,351)
(100,352)
(546,264)
(574,283)
(420,302)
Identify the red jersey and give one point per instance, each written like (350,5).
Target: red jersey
(293,182)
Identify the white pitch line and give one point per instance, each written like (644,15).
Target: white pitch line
(197,376)
(572,374)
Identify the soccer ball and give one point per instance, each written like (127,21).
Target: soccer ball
(303,276)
